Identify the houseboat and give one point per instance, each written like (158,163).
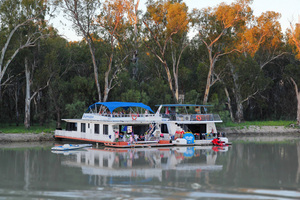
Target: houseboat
(190,124)
(128,124)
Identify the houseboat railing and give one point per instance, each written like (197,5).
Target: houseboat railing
(192,117)
(133,116)
(128,115)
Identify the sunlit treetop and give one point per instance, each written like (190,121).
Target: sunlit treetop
(230,15)
(116,14)
(294,39)
(173,16)
(263,31)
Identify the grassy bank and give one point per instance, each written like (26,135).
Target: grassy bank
(8,128)
(257,123)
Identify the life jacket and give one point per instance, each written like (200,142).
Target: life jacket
(217,142)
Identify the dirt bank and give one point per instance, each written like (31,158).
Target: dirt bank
(25,137)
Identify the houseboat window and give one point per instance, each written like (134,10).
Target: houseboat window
(83,127)
(96,129)
(164,128)
(105,129)
(115,128)
(71,126)
(105,161)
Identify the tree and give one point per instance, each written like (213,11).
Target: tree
(29,96)
(115,19)
(15,15)
(167,25)
(82,14)
(93,21)
(294,39)
(260,39)
(215,24)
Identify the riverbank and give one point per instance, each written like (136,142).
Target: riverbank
(260,131)
(25,137)
(240,132)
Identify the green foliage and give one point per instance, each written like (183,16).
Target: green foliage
(8,128)
(76,109)
(135,96)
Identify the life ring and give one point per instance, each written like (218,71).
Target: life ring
(134,117)
(198,117)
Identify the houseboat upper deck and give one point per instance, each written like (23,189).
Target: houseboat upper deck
(187,113)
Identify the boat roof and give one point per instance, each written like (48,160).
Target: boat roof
(183,105)
(114,105)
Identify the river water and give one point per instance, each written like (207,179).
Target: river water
(245,170)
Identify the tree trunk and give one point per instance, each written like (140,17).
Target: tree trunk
(106,78)
(209,76)
(229,104)
(58,121)
(16,102)
(27,96)
(96,76)
(207,88)
(239,115)
(298,100)
(170,80)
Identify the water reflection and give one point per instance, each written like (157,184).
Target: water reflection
(135,165)
(251,170)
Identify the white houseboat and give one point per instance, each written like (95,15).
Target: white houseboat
(127,124)
(180,119)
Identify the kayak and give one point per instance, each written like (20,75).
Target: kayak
(67,147)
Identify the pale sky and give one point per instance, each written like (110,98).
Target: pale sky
(289,9)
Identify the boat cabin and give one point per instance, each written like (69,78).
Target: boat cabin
(192,118)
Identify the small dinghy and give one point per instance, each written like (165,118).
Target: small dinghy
(67,147)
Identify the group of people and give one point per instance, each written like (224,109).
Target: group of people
(128,137)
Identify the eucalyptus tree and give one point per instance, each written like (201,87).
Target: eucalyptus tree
(294,40)
(35,30)
(166,27)
(115,23)
(15,17)
(82,15)
(215,25)
(104,22)
(260,42)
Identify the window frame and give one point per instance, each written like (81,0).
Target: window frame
(96,130)
(105,129)
(83,127)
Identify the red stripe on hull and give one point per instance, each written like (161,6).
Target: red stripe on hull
(81,139)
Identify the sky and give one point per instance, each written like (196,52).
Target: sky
(289,10)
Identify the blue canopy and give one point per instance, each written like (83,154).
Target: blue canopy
(113,105)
